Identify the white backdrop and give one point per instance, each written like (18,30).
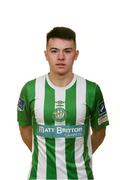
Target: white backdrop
(23,28)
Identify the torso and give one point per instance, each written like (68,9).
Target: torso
(61,131)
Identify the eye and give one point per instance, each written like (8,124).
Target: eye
(54,50)
(68,51)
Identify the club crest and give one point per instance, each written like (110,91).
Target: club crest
(59,114)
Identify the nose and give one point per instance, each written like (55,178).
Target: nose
(61,55)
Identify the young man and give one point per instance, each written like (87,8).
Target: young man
(56,113)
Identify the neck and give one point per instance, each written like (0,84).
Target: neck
(60,80)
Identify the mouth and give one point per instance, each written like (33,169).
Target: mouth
(60,64)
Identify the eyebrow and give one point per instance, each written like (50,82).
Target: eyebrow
(53,48)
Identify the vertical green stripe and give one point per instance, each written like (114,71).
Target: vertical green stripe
(70,143)
(49,106)
(87,124)
(86,154)
(33,173)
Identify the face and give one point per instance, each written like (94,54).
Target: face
(61,54)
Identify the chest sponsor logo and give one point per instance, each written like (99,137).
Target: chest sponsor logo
(64,131)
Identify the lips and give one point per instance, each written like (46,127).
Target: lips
(60,64)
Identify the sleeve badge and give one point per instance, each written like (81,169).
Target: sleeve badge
(21,104)
(101,109)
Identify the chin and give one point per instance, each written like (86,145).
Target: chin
(61,73)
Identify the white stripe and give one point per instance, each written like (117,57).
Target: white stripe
(89,148)
(39,115)
(80,118)
(60,142)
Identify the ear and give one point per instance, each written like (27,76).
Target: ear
(77,54)
(45,53)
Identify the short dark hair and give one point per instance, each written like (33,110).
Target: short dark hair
(62,33)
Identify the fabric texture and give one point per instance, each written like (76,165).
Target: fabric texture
(61,118)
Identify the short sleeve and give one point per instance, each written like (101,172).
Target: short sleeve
(99,118)
(23,109)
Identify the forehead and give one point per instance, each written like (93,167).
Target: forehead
(60,43)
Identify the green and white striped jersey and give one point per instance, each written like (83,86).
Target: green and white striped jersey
(61,118)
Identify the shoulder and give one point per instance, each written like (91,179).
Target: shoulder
(92,88)
(88,83)
(31,83)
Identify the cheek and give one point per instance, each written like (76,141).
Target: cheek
(70,61)
(51,61)
(51,58)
